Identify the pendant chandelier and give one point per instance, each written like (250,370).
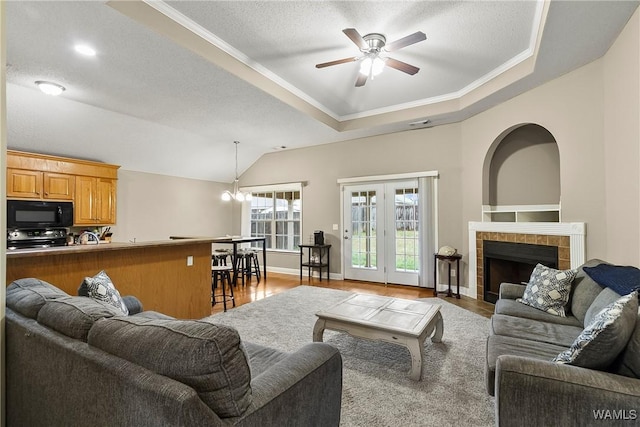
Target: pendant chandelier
(236,194)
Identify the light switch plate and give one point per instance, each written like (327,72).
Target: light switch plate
(335,227)
(189,261)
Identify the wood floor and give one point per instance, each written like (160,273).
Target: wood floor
(277,283)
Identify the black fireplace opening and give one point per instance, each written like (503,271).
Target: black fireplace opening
(513,263)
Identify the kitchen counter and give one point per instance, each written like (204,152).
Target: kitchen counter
(113,246)
(169,276)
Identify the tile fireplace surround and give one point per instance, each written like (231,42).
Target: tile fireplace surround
(568,237)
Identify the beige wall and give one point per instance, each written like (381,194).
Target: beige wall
(571,107)
(154,207)
(622,142)
(321,166)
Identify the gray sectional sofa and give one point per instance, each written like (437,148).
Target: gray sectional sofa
(532,390)
(74,361)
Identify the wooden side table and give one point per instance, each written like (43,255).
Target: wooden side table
(449,259)
(323,261)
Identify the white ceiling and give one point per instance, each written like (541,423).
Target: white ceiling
(173,84)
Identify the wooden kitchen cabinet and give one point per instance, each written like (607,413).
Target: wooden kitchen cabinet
(29,184)
(90,185)
(95,201)
(24,184)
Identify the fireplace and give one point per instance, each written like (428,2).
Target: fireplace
(568,238)
(512,262)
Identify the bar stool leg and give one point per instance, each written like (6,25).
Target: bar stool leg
(228,278)
(224,294)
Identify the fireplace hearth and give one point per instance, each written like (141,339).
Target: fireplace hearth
(513,263)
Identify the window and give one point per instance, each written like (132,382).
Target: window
(275,212)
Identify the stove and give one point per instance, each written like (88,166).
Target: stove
(36,238)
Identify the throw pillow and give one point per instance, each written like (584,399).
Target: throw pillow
(101,288)
(548,289)
(620,278)
(601,342)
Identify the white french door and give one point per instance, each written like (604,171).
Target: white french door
(381,232)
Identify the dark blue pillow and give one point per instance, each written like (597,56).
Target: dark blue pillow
(621,279)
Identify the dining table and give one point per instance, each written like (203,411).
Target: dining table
(235,241)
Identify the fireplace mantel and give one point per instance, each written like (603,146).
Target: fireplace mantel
(575,231)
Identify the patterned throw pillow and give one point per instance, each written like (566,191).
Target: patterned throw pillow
(548,289)
(101,288)
(607,335)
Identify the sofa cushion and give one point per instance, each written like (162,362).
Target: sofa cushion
(604,298)
(100,287)
(262,358)
(601,342)
(584,291)
(628,363)
(203,355)
(623,279)
(74,316)
(534,330)
(511,307)
(548,289)
(498,345)
(27,296)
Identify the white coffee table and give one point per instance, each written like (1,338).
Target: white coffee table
(393,320)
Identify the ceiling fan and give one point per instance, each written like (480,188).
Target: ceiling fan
(371,45)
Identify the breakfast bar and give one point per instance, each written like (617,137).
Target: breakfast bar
(169,276)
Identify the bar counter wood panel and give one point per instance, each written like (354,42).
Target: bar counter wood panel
(157,275)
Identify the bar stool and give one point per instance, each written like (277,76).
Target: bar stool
(241,264)
(222,273)
(219,258)
(252,265)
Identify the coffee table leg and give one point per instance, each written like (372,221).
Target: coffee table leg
(437,336)
(318,330)
(416,349)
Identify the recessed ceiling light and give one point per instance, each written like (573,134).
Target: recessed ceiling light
(49,88)
(85,50)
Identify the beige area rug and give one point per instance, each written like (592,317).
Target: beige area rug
(376,387)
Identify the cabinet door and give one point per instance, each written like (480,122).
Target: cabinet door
(58,186)
(24,183)
(105,201)
(84,203)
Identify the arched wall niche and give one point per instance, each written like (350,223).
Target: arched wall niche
(521,176)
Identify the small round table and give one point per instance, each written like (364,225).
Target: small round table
(449,259)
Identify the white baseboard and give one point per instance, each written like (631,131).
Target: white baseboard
(296,272)
(463,290)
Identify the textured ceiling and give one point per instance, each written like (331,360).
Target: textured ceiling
(168,92)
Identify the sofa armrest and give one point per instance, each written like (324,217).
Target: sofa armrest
(533,392)
(133,304)
(511,290)
(304,389)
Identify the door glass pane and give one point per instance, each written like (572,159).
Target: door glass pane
(363,229)
(406,229)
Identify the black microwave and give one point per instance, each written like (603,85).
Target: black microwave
(37,214)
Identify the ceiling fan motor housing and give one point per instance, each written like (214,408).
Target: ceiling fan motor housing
(376,42)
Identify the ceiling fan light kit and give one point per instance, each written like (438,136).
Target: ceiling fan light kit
(371,45)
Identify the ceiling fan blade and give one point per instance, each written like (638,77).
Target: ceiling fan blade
(339,61)
(405,41)
(356,38)
(362,79)
(402,66)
